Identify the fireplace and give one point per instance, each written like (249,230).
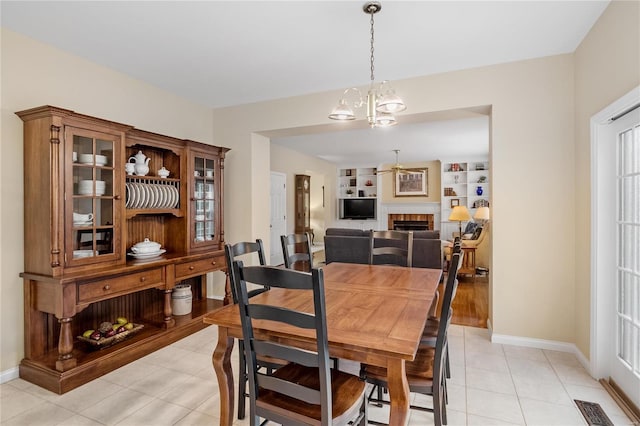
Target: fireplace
(410,222)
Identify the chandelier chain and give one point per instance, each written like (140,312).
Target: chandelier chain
(372,58)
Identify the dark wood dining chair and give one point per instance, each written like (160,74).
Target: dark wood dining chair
(306,391)
(296,249)
(390,248)
(232,252)
(430,332)
(426,373)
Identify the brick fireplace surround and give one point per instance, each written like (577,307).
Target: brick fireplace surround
(410,222)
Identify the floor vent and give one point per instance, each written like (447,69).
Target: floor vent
(593,413)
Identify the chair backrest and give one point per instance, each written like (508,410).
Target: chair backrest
(254,347)
(446,313)
(240,249)
(391,247)
(296,250)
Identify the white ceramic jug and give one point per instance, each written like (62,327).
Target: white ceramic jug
(181,299)
(142,163)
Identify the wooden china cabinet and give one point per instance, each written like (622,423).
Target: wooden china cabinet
(83,213)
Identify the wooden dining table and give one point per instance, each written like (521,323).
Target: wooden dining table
(375,315)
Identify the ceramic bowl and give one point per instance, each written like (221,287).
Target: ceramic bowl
(101,160)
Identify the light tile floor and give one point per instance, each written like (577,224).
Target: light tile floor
(491,384)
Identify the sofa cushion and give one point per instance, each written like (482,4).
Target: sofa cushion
(352,246)
(476,233)
(346,232)
(346,249)
(471,226)
(426,235)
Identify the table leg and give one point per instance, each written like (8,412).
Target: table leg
(221,360)
(398,392)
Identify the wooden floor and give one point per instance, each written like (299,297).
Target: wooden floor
(471,304)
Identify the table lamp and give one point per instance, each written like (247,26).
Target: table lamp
(482,214)
(459,214)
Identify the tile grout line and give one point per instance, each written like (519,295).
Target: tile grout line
(524,419)
(562,383)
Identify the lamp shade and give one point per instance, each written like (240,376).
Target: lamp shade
(384,119)
(482,213)
(390,103)
(342,112)
(459,214)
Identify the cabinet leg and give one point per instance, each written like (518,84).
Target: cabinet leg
(65,361)
(168,312)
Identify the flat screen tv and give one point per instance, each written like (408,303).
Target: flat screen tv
(359,208)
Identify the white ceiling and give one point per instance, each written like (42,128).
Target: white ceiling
(221,53)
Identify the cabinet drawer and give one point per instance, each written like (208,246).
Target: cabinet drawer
(122,284)
(199,267)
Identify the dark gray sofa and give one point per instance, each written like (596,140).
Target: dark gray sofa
(352,246)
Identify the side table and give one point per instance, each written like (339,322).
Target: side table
(468,266)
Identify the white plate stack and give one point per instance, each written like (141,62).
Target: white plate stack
(77,254)
(85,187)
(100,160)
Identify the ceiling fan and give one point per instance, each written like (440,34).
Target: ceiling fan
(397,167)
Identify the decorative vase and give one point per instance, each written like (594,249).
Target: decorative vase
(479,190)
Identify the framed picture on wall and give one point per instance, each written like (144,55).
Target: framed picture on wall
(455,202)
(411,183)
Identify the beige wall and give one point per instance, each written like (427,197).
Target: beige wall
(539,158)
(433,184)
(34,74)
(607,66)
(532,159)
(322,173)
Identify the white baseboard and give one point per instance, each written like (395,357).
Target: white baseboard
(10,374)
(552,345)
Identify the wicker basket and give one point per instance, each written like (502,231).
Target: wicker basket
(105,342)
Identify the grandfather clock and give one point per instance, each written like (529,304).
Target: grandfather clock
(303,205)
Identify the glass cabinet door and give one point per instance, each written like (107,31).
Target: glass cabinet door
(204,199)
(91,209)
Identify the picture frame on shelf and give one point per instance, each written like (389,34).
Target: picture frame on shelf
(455,202)
(411,183)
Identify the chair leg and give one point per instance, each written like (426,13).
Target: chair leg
(447,366)
(437,408)
(242,381)
(375,401)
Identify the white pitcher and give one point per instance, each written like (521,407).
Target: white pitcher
(142,163)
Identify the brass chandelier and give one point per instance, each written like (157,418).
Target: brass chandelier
(381,100)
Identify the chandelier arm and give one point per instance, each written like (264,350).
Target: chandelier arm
(359,102)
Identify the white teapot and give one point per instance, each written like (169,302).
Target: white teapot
(142,163)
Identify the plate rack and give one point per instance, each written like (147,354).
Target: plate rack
(151,194)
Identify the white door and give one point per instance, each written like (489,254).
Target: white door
(617,213)
(625,369)
(278,216)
